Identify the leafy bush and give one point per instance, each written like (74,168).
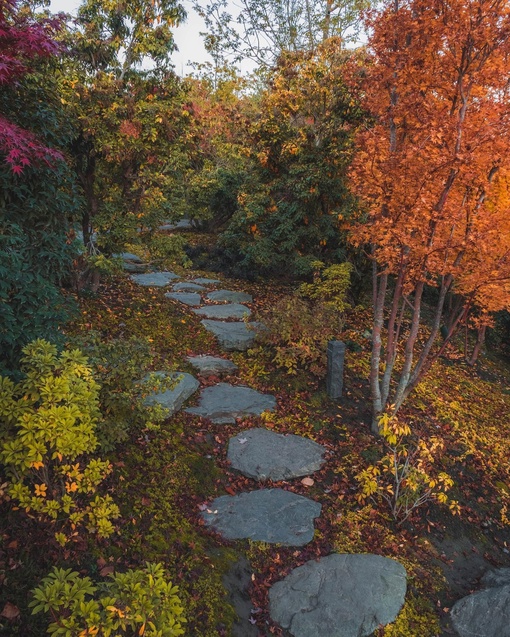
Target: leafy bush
(298,334)
(406,477)
(48,421)
(168,250)
(330,285)
(141,602)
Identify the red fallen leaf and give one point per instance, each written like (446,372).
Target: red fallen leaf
(230,490)
(10,611)
(101,562)
(107,570)
(307,482)
(13,544)
(146,501)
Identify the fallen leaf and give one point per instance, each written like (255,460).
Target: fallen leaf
(241,441)
(10,611)
(146,501)
(202,507)
(101,562)
(307,482)
(107,570)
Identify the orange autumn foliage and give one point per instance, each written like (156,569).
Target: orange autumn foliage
(432,174)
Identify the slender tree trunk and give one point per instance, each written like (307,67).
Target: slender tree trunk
(380,284)
(480,340)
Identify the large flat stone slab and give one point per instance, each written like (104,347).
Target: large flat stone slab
(230,311)
(201,280)
(154,279)
(173,399)
(223,403)
(268,515)
(266,455)
(230,296)
(188,286)
(188,298)
(212,365)
(339,596)
(485,613)
(233,337)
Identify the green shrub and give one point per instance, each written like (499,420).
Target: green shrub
(330,285)
(48,421)
(298,334)
(141,602)
(416,619)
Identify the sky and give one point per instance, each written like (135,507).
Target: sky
(189,42)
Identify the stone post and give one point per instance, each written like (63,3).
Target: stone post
(335,377)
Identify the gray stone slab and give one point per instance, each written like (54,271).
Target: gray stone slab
(154,279)
(268,515)
(129,256)
(135,267)
(230,295)
(188,286)
(205,281)
(183,224)
(266,455)
(188,298)
(232,337)
(229,311)
(173,399)
(223,403)
(485,613)
(212,365)
(339,596)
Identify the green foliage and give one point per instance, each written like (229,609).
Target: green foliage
(119,365)
(141,602)
(406,477)
(290,210)
(167,251)
(330,285)
(298,333)
(48,421)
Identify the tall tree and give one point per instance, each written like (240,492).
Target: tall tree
(432,175)
(263,30)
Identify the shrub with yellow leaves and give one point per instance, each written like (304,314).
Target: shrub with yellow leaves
(406,477)
(48,421)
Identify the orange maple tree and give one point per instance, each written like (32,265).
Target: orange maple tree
(432,175)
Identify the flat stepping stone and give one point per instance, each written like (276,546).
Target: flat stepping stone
(173,399)
(485,613)
(187,286)
(223,403)
(206,281)
(230,311)
(265,455)
(127,266)
(128,256)
(233,337)
(268,515)
(212,365)
(339,596)
(230,296)
(188,298)
(154,279)
(183,224)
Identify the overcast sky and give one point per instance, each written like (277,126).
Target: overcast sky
(191,47)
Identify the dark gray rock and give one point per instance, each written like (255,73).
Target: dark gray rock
(154,279)
(233,336)
(266,455)
(230,296)
(237,583)
(188,286)
(269,515)
(212,365)
(223,403)
(129,256)
(205,281)
(339,596)
(188,298)
(485,613)
(230,311)
(183,224)
(172,399)
(127,266)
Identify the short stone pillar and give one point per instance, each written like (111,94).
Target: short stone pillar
(335,377)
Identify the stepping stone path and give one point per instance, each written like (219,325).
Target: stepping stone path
(269,515)
(339,596)
(173,399)
(485,613)
(154,279)
(188,298)
(212,365)
(187,286)
(233,337)
(132,262)
(230,296)
(223,403)
(230,311)
(265,455)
